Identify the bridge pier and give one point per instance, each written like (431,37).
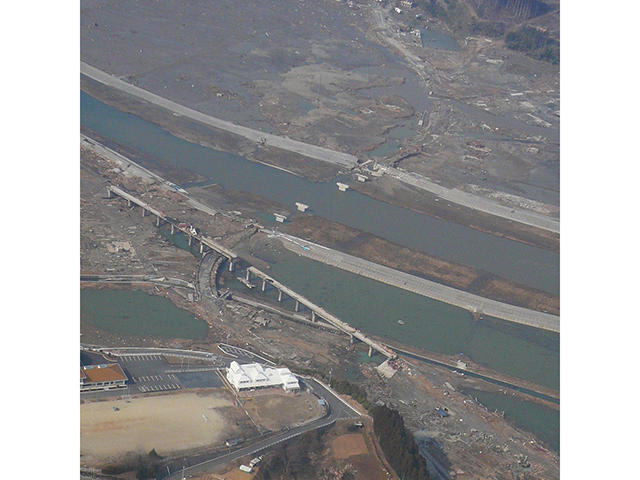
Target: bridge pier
(201,247)
(248,275)
(231,265)
(173,229)
(190,240)
(144,212)
(264,284)
(158,220)
(351,339)
(279,295)
(313,315)
(370,351)
(297,307)
(109,193)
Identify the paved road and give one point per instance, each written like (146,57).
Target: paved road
(319,153)
(147,279)
(419,285)
(476,202)
(343,160)
(204,276)
(242,355)
(537,391)
(338,409)
(148,370)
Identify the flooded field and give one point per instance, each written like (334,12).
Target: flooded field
(135,313)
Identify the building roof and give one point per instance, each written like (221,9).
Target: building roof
(255,375)
(104,373)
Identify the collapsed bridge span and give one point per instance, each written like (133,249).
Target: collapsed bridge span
(317,311)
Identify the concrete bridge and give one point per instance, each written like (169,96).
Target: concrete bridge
(317,311)
(161,218)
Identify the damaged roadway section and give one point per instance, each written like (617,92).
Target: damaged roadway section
(384,274)
(472,433)
(420,285)
(319,153)
(343,160)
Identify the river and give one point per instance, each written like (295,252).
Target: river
(371,306)
(515,261)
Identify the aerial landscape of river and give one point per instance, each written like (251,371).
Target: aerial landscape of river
(512,260)
(373,307)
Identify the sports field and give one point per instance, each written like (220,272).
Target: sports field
(168,423)
(181,421)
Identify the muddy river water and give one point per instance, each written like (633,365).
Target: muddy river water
(375,308)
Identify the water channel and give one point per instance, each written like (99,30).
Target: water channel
(371,306)
(528,265)
(136,313)
(374,307)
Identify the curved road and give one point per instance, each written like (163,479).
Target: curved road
(338,409)
(313,151)
(326,155)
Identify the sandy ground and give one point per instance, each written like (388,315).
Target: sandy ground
(183,421)
(165,423)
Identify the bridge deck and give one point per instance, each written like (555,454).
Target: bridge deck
(213,245)
(321,312)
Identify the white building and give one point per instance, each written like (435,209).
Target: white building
(254,375)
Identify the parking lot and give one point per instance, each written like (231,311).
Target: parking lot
(150,373)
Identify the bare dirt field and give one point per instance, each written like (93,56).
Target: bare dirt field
(352,79)
(277,410)
(167,423)
(107,222)
(183,421)
(358,453)
(348,445)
